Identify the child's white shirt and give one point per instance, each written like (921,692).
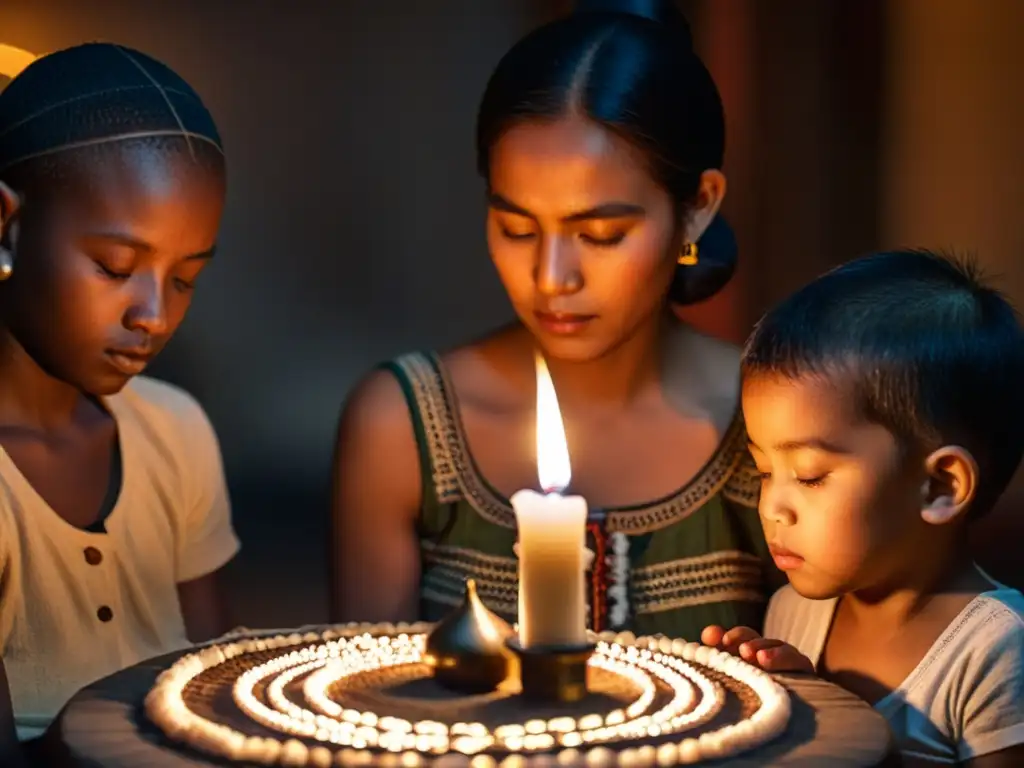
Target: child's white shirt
(966,696)
(76,606)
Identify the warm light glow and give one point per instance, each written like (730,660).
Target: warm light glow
(13,60)
(311,666)
(553,469)
(481,617)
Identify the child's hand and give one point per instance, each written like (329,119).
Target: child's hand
(769,655)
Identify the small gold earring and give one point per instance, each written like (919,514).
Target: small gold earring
(6,264)
(688,257)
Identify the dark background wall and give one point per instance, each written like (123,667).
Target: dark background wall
(354,228)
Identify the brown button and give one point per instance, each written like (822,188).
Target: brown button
(104,613)
(93,556)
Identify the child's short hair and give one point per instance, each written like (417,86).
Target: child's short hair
(936,356)
(94,96)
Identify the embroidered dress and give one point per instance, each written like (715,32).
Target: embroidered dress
(672,566)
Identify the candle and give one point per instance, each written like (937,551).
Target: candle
(552,537)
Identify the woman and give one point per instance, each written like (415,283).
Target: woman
(114,515)
(600,138)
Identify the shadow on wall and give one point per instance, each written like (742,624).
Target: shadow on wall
(280,577)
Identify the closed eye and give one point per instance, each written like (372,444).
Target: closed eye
(603,242)
(807,482)
(107,272)
(519,236)
(811,482)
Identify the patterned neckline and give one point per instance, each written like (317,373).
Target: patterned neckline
(456,475)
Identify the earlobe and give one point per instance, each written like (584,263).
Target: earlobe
(708,201)
(10,201)
(9,204)
(951,485)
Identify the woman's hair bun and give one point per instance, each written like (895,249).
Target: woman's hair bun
(716,264)
(662,11)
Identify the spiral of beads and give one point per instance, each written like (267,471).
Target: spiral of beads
(319,731)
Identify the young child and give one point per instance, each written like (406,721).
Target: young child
(883,407)
(114,515)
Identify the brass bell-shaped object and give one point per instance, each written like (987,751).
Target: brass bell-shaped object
(467,648)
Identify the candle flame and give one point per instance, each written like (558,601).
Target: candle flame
(553,469)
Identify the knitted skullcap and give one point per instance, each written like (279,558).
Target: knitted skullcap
(97,93)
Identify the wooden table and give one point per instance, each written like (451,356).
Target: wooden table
(103,727)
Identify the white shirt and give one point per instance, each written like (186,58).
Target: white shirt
(964,699)
(77,606)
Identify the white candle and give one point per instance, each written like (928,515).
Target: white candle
(552,536)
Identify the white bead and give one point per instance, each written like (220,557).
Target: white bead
(702,655)
(615,717)
(269,753)
(571,739)
(626,639)
(470,745)
(561,724)
(668,755)
(689,751)
(451,760)
(646,756)
(710,744)
(569,758)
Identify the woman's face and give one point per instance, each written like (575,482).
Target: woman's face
(105,267)
(584,240)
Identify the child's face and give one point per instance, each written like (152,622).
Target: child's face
(840,502)
(104,268)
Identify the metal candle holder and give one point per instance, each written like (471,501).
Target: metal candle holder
(553,673)
(472,650)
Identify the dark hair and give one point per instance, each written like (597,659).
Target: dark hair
(629,67)
(936,356)
(90,97)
